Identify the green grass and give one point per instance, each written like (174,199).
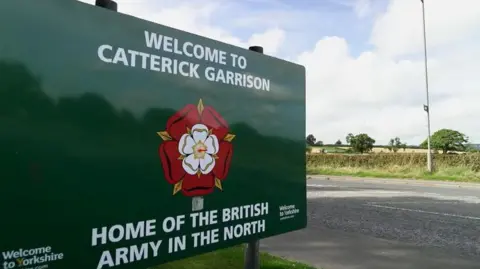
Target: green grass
(230,258)
(459,174)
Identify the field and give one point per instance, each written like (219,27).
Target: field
(231,258)
(461,167)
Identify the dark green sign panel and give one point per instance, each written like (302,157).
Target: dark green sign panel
(127,144)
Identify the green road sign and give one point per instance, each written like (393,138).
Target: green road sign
(124,143)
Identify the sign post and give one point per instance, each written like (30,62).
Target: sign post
(252,255)
(128,144)
(252,250)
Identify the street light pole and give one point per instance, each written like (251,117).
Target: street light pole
(427,106)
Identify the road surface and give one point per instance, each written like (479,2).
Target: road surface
(395,224)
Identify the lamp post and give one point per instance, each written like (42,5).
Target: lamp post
(427,106)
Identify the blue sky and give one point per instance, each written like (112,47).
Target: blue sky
(304,20)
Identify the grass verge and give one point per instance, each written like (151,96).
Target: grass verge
(459,174)
(230,258)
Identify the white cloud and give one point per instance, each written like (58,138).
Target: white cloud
(380,91)
(271,40)
(194,17)
(399,31)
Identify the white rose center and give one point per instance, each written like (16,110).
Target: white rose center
(198,148)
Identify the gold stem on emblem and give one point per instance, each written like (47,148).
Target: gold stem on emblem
(177,187)
(164,135)
(218,184)
(200,106)
(229,137)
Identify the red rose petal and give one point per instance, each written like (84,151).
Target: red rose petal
(198,186)
(222,164)
(172,166)
(178,123)
(212,119)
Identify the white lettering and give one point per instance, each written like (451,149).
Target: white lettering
(167,44)
(101,54)
(137,253)
(234,59)
(198,51)
(134,232)
(155,63)
(145,57)
(96,236)
(133,57)
(121,255)
(205,238)
(153,40)
(236,79)
(245,211)
(150,227)
(106,259)
(176,48)
(118,232)
(177,244)
(120,56)
(25,252)
(136,59)
(171,224)
(193,70)
(111,233)
(244,229)
(155,247)
(181,68)
(242,62)
(129,254)
(185,49)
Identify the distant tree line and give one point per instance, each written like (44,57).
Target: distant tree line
(445,140)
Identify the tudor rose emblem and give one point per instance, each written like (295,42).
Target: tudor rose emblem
(196,150)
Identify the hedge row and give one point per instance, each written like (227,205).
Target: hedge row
(379,160)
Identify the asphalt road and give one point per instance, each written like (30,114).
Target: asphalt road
(395,224)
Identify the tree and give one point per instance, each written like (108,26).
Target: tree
(348,138)
(338,143)
(395,144)
(311,139)
(319,143)
(361,142)
(446,140)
